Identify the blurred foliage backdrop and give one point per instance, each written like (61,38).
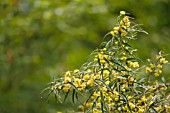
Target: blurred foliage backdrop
(41,38)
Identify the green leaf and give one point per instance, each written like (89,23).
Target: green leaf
(119,65)
(57,97)
(48,88)
(103,104)
(126,100)
(73,95)
(99,62)
(101,81)
(102,101)
(116,69)
(134,59)
(151,107)
(74,87)
(79,100)
(89,97)
(94,103)
(154,109)
(49,95)
(126,44)
(66,95)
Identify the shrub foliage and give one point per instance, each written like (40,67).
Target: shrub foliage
(110,80)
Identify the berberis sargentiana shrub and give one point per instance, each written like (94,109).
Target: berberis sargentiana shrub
(109,83)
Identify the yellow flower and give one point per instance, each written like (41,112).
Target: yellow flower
(102,61)
(67,74)
(121,23)
(116,99)
(106,73)
(159,66)
(67,79)
(123,33)
(128,24)
(90,82)
(141,110)
(60,86)
(126,19)
(107,82)
(156,74)
(129,97)
(95,59)
(96,94)
(148,70)
(96,111)
(159,71)
(59,112)
(126,48)
(131,79)
(106,56)
(83,85)
(112,33)
(77,82)
(66,88)
(152,65)
(97,76)
(132,105)
(89,70)
(86,77)
(143,99)
(116,32)
(116,42)
(124,58)
(119,109)
(104,89)
(76,71)
(135,64)
(53,87)
(115,93)
(104,49)
(151,102)
(89,104)
(122,12)
(123,90)
(162,60)
(116,28)
(167,108)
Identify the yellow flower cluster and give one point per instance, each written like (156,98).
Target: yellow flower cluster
(109,83)
(156,68)
(122,27)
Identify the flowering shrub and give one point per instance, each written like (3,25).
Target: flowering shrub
(108,81)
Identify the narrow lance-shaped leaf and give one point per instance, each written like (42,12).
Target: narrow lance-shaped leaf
(94,103)
(66,95)
(126,100)
(73,95)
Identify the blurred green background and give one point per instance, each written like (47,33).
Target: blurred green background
(39,39)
